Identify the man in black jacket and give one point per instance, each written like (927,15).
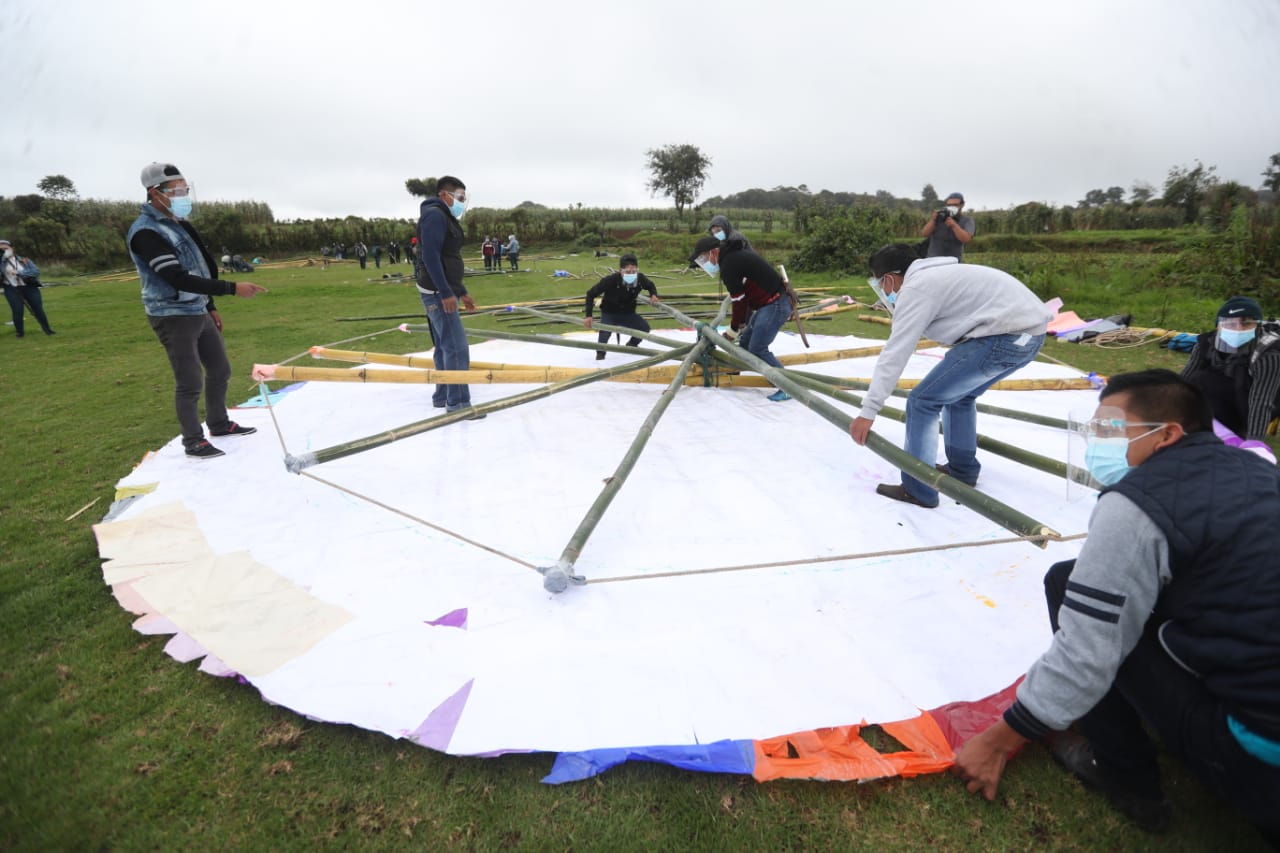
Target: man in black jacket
(760,302)
(617,293)
(438,271)
(1237,366)
(1165,622)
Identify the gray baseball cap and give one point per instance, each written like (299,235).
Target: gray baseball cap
(155,174)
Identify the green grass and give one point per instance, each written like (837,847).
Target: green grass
(107,743)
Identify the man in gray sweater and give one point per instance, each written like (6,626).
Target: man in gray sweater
(994,325)
(1166,622)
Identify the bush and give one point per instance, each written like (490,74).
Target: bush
(842,240)
(588,240)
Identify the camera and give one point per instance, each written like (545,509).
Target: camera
(943,215)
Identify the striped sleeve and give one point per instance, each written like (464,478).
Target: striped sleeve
(1109,597)
(1262,394)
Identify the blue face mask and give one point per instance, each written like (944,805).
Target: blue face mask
(630,277)
(719,235)
(1236,338)
(181,206)
(1107,459)
(892,298)
(458,208)
(711,268)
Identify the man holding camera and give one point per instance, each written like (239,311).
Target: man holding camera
(948,230)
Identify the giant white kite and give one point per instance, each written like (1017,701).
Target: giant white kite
(604,569)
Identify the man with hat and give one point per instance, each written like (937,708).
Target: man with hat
(948,230)
(617,293)
(1237,366)
(179,280)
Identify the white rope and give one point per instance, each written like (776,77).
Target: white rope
(842,557)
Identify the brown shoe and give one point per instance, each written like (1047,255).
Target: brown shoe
(900,493)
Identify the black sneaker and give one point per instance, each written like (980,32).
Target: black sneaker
(203,450)
(234,428)
(1074,752)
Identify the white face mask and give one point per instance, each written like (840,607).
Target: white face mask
(952,209)
(8,252)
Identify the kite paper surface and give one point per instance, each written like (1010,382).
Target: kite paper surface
(397,589)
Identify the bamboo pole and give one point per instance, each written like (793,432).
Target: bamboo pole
(556,579)
(1012,414)
(295,464)
(993,445)
(985,505)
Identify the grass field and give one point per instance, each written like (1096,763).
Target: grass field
(107,743)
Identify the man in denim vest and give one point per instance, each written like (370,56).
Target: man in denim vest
(179,280)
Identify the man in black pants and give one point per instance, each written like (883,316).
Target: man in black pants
(617,293)
(179,280)
(1168,617)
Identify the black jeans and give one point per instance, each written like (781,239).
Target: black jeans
(629,321)
(199,360)
(31,296)
(1151,687)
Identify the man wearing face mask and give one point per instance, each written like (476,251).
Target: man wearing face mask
(948,230)
(21,288)
(1237,366)
(617,293)
(721,230)
(1166,619)
(179,280)
(758,293)
(439,270)
(994,325)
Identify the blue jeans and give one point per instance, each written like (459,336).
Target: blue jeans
(763,327)
(951,390)
(30,294)
(450,353)
(1150,686)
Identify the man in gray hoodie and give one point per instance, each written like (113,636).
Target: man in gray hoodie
(994,326)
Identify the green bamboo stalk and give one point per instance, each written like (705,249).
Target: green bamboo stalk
(1012,414)
(604,327)
(993,445)
(297,463)
(985,505)
(557,578)
(553,340)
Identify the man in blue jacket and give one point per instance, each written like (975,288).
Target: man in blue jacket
(439,271)
(179,280)
(1166,621)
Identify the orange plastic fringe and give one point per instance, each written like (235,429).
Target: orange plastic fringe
(840,753)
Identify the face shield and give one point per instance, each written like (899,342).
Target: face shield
(1106,424)
(885,299)
(1234,333)
(704,261)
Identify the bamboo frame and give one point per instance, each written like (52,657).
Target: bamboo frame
(983,504)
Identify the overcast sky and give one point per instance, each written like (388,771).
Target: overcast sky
(325,108)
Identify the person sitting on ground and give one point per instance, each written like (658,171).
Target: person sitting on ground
(1167,619)
(760,301)
(1237,366)
(617,293)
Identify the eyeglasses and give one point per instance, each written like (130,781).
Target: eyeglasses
(1241,324)
(458,195)
(177,192)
